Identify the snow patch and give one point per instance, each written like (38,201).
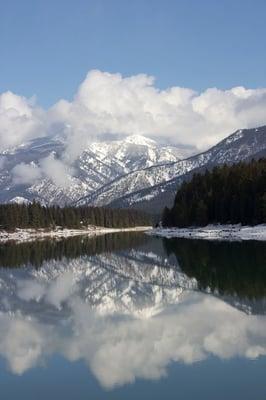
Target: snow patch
(215,232)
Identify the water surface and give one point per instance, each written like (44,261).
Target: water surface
(126,316)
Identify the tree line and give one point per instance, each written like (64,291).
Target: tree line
(227,194)
(35,215)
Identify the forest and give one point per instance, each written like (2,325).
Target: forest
(227,194)
(35,215)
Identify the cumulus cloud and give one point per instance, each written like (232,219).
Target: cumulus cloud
(20,120)
(108,104)
(57,170)
(26,173)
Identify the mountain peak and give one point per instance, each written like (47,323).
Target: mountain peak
(125,173)
(140,140)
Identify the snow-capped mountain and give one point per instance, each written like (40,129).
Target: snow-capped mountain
(133,172)
(99,164)
(147,186)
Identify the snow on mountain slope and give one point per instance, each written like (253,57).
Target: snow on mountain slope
(134,172)
(137,180)
(99,164)
(127,190)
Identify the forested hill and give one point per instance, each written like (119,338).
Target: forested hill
(227,194)
(36,216)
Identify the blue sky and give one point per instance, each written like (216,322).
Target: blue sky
(48,46)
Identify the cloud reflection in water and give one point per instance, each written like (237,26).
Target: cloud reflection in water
(131,336)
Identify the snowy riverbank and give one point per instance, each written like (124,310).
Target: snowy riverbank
(214,232)
(25,235)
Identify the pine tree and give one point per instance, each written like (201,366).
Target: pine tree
(226,194)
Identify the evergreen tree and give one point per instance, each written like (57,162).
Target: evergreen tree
(35,216)
(227,194)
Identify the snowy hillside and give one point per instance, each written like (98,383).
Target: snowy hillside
(133,172)
(99,164)
(144,186)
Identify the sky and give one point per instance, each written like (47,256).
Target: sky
(47,47)
(186,72)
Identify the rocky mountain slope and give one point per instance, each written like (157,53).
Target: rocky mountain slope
(99,164)
(134,172)
(153,187)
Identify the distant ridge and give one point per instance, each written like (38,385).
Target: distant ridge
(134,172)
(153,187)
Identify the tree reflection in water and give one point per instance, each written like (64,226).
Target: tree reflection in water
(231,268)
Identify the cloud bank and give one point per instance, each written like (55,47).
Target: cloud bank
(110,104)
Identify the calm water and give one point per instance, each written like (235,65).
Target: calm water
(127,316)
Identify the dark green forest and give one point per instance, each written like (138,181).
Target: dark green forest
(36,216)
(227,194)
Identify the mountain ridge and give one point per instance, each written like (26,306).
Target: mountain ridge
(99,163)
(226,151)
(133,172)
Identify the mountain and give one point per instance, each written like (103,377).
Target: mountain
(99,164)
(133,172)
(155,186)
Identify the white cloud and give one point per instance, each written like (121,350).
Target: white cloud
(110,104)
(20,120)
(26,173)
(57,170)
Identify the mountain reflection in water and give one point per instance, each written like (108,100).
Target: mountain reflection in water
(129,305)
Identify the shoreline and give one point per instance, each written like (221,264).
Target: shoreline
(214,232)
(26,235)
